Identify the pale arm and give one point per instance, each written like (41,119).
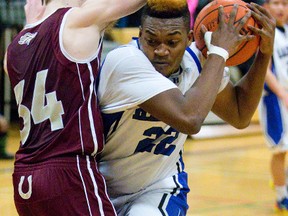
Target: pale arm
(87,22)
(102,12)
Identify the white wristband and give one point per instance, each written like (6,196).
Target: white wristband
(214,49)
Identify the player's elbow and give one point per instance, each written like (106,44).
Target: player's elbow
(241,123)
(191,126)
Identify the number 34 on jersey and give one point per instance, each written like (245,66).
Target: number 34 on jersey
(41,109)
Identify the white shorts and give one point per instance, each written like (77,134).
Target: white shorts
(274,122)
(155,201)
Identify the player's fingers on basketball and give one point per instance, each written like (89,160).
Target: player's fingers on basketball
(243,21)
(267,37)
(257,31)
(265,23)
(261,9)
(262,21)
(221,16)
(233,15)
(250,37)
(262,17)
(245,38)
(203,29)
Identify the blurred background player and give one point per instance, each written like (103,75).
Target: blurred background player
(152,96)
(3,139)
(274,103)
(52,65)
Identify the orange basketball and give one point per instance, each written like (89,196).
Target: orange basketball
(209,17)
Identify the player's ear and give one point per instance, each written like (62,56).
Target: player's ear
(140,31)
(190,37)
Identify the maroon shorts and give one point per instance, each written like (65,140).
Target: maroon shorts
(68,187)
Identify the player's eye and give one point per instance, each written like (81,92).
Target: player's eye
(151,42)
(173,42)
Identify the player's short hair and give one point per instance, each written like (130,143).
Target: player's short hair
(167,9)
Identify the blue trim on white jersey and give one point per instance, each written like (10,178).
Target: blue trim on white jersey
(137,41)
(274,123)
(194,56)
(110,122)
(175,203)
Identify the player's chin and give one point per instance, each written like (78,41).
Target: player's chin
(163,69)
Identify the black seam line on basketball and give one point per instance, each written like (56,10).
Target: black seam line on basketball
(241,46)
(216,10)
(239,49)
(160,207)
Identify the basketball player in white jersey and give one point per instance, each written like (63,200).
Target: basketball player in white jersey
(152,95)
(274,103)
(52,65)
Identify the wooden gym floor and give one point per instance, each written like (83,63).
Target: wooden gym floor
(228,173)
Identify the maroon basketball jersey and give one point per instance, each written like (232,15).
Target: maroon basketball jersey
(57,103)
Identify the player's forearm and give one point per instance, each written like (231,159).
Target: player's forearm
(249,88)
(201,97)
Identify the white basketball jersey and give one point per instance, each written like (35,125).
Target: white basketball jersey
(141,151)
(280,56)
(273,113)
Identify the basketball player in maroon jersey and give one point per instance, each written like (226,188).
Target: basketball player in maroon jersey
(52,64)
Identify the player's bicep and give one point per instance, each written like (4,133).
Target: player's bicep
(166,106)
